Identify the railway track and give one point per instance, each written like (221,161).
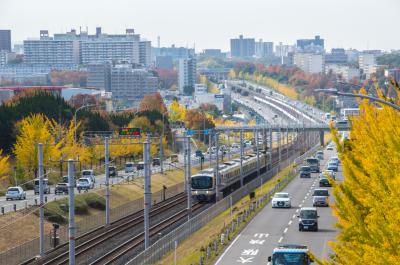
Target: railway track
(89,241)
(112,256)
(101,235)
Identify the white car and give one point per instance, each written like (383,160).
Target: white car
(84,184)
(15,193)
(281,200)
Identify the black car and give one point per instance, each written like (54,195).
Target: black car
(305,172)
(308,219)
(61,188)
(324,182)
(113,172)
(156,162)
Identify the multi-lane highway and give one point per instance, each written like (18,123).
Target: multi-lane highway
(275,226)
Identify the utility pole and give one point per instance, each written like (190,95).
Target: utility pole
(209,147)
(279,147)
(270,146)
(287,142)
(189,187)
(241,159)
(161,147)
(107,165)
(185,184)
(258,155)
(71,214)
(217,176)
(229,145)
(147,191)
(41,199)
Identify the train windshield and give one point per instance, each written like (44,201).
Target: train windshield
(290,259)
(202,182)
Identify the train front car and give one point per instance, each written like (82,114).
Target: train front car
(203,185)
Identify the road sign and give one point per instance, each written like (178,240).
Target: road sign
(190,132)
(219,95)
(207,132)
(130,131)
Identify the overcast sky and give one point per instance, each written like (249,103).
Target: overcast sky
(357,24)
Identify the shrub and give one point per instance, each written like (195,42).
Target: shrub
(95,201)
(81,207)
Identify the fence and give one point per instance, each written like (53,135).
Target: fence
(167,243)
(30,249)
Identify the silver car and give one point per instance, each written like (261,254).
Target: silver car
(15,193)
(320,197)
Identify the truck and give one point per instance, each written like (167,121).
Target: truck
(290,255)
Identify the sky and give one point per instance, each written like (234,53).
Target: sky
(360,24)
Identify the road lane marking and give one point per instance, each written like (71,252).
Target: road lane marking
(285,231)
(227,249)
(294,216)
(297,210)
(280,239)
(290,222)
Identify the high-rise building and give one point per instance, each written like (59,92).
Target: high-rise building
(82,48)
(5,40)
(48,51)
(242,47)
(99,76)
(337,56)
(129,86)
(306,43)
(264,49)
(187,73)
(310,63)
(367,63)
(145,53)
(106,49)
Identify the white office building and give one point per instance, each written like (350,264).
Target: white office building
(187,73)
(347,73)
(129,86)
(264,49)
(310,63)
(367,63)
(145,53)
(48,51)
(104,50)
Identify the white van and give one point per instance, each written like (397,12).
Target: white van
(129,167)
(89,173)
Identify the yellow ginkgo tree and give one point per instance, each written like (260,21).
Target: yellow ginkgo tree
(367,202)
(176,112)
(4,166)
(33,130)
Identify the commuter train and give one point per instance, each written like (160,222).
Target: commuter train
(203,183)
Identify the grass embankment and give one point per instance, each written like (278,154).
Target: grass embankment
(86,204)
(190,250)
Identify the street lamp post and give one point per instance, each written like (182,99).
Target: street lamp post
(76,112)
(335,92)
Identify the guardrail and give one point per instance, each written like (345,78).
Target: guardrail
(167,243)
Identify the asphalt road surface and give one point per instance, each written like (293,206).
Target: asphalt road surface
(273,227)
